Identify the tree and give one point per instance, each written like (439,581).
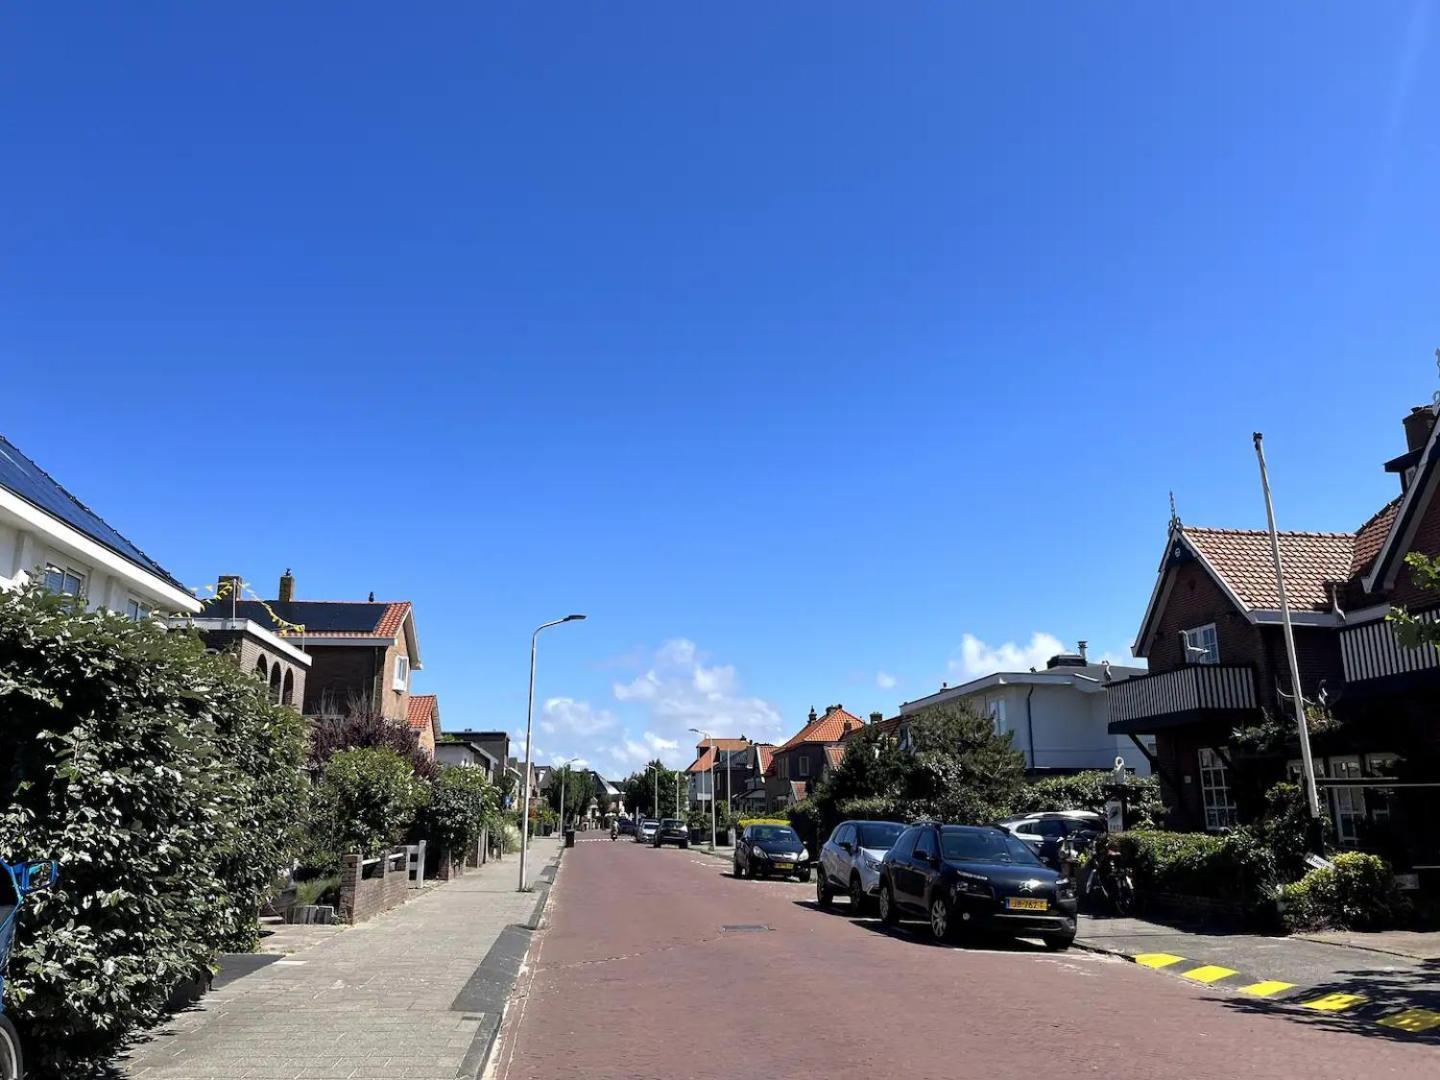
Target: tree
(462,803)
(367,729)
(961,769)
(579,789)
(639,789)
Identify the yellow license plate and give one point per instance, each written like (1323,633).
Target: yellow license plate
(1019,903)
(784,866)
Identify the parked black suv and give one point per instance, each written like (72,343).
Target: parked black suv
(672,831)
(964,878)
(768,850)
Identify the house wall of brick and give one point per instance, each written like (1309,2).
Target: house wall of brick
(342,674)
(364,897)
(249,651)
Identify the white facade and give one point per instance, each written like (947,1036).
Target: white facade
(31,539)
(1057,718)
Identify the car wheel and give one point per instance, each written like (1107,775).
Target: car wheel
(750,871)
(684,845)
(12,1066)
(942,926)
(823,895)
(735,867)
(888,915)
(1058,942)
(804,876)
(858,899)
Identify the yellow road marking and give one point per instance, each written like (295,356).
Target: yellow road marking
(1335,1002)
(1208,973)
(1412,1020)
(1266,988)
(1157,959)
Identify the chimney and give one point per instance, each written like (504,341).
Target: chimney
(876,717)
(372,596)
(1417,427)
(287,587)
(813,717)
(228,586)
(1084,646)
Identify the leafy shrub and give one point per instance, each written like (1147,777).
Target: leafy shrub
(320,890)
(1357,893)
(1090,790)
(169,788)
(366,801)
(878,808)
(1284,827)
(365,729)
(462,802)
(1234,867)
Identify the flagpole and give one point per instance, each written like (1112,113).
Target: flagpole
(1312,796)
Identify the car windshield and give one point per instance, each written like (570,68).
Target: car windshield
(880,835)
(672,823)
(649,824)
(985,845)
(764,833)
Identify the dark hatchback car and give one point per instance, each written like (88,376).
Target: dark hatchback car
(771,851)
(968,879)
(672,831)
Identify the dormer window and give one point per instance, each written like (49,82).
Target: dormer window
(402,673)
(1202,646)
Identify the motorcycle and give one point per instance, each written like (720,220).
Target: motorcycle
(17,881)
(614,832)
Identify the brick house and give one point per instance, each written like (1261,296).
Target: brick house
(1213,638)
(756,794)
(362,652)
(278,662)
(423,715)
(725,763)
(797,764)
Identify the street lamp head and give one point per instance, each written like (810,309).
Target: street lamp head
(572,618)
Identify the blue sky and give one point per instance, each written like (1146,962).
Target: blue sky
(793,346)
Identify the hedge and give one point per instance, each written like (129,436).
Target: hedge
(169,788)
(1357,892)
(366,801)
(1234,867)
(462,802)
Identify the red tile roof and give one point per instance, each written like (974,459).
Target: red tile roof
(381,620)
(797,789)
(704,762)
(766,753)
(733,745)
(834,755)
(421,711)
(829,728)
(1243,560)
(1370,537)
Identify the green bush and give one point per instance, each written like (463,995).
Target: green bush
(366,801)
(1357,893)
(1234,867)
(462,801)
(169,788)
(1284,827)
(1090,790)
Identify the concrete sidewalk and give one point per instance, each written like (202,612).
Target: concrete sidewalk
(416,992)
(1354,983)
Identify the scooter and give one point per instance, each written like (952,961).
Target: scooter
(17,881)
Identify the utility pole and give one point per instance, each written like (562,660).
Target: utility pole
(1312,796)
(714,760)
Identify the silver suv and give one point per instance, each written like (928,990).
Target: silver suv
(850,861)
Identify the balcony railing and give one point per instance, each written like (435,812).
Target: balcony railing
(1186,689)
(1372,651)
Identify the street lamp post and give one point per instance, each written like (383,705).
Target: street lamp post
(656,770)
(706,736)
(529,715)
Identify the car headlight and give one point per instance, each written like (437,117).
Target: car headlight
(758,852)
(970,887)
(804,855)
(870,862)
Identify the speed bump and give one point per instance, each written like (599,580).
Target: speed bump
(1208,973)
(1412,1020)
(1267,988)
(1158,959)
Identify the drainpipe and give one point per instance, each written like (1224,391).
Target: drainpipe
(1030,726)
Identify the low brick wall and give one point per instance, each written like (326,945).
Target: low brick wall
(366,891)
(448,867)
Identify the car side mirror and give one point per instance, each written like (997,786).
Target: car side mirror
(37,877)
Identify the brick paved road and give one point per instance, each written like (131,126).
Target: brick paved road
(636,977)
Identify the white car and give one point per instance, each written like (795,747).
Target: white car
(645,831)
(850,861)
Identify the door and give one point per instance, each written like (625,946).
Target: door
(925,865)
(837,854)
(899,862)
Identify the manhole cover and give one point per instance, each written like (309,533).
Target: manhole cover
(744,928)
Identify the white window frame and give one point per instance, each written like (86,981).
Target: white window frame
(402,673)
(137,610)
(65,572)
(1215,792)
(1211,647)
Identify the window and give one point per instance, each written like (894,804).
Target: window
(136,610)
(1215,790)
(1201,645)
(996,711)
(67,581)
(402,673)
(784,769)
(906,844)
(1347,804)
(925,847)
(804,766)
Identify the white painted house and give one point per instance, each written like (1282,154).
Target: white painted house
(1058,717)
(45,530)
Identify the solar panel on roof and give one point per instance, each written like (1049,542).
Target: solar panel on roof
(317,616)
(24,478)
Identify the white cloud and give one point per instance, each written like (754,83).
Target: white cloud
(975,658)
(885,680)
(558,760)
(568,716)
